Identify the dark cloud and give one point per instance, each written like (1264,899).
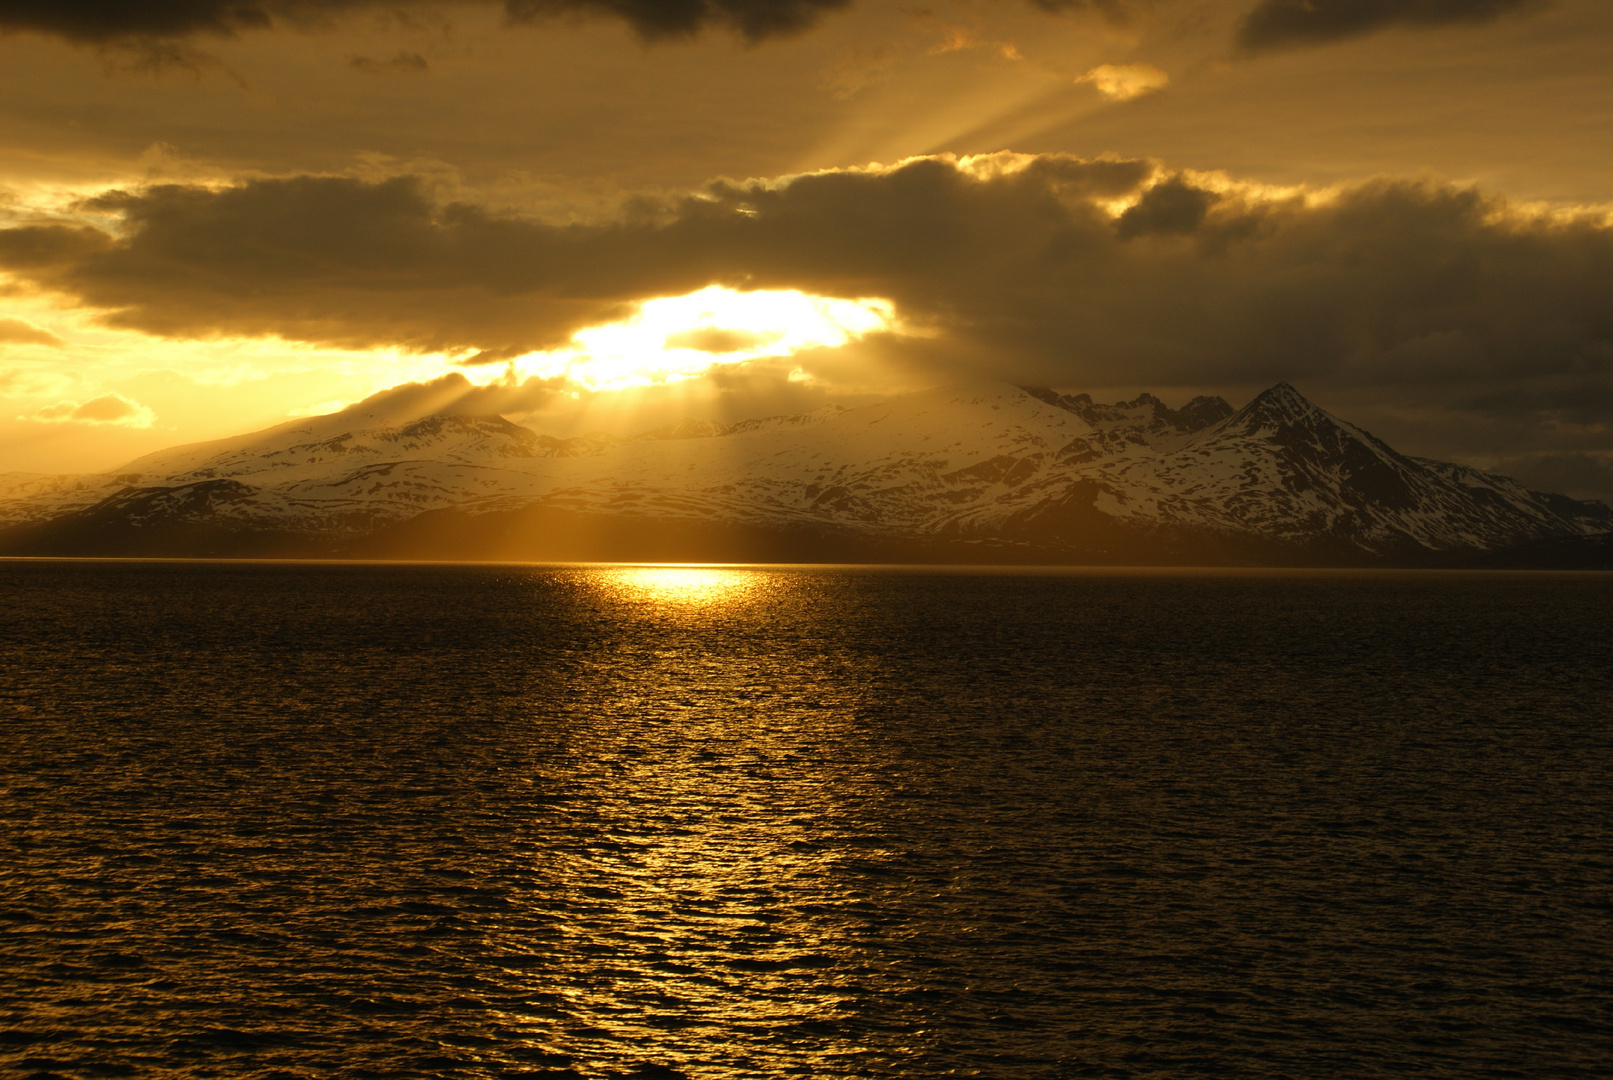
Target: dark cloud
(122,20)
(1018,269)
(1173,207)
(1271,24)
(326,260)
(655,19)
(40,247)
(107,20)
(350,263)
(1277,24)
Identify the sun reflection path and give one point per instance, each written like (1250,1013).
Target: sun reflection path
(684,586)
(702,856)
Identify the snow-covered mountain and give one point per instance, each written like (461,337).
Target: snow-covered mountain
(995,464)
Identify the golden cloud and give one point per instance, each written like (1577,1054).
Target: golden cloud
(1122,82)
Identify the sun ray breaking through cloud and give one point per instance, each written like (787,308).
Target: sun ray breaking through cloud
(669,339)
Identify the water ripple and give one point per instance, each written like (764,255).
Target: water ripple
(359,821)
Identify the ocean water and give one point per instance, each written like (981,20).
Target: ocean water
(440,821)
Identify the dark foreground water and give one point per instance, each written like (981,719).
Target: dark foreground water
(320,821)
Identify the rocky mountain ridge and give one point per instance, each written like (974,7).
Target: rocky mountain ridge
(995,469)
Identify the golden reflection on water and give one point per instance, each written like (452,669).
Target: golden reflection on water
(683,586)
(714,905)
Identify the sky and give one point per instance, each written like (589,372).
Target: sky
(600,214)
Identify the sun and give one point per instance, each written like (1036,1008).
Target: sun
(680,337)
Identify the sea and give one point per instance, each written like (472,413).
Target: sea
(300,820)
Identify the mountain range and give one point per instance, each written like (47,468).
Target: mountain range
(990,473)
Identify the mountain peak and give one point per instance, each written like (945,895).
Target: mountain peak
(1276,407)
(1285,392)
(1196,415)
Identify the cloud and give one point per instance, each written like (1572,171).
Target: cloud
(450,395)
(17,332)
(120,21)
(555,407)
(1046,268)
(106,409)
(715,340)
(1122,82)
(405,63)
(356,264)
(154,28)
(111,20)
(656,19)
(332,260)
(1172,207)
(1277,24)
(1117,11)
